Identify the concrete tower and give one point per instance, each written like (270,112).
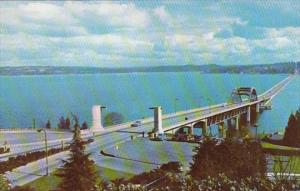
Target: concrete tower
(158,119)
(96,113)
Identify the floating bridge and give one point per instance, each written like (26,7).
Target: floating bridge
(219,114)
(244,100)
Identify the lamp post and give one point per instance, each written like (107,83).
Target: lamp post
(46,149)
(33,123)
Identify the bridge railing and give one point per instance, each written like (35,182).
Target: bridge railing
(278,86)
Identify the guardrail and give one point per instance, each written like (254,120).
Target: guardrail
(34,150)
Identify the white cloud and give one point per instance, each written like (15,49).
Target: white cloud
(118,33)
(207,43)
(280,38)
(163,15)
(273,43)
(283,32)
(76,17)
(45,13)
(112,42)
(116,14)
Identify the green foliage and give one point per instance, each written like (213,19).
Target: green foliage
(123,187)
(22,188)
(222,182)
(84,126)
(48,125)
(292,131)
(4,184)
(235,159)
(231,132)
(64,123)
(177,182)
(171,167)
(68,123)
(79,172)
(113,118)
(21,160)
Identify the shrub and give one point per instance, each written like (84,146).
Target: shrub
(233,158)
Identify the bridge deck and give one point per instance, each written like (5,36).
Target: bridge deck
(188,117)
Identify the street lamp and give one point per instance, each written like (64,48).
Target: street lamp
(46,148)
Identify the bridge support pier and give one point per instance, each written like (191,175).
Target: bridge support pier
(158,119)
(97,123)
(248,114)
(237,120)
(204,127)
(173,132)
(191,130)
(257,107)
(222,130)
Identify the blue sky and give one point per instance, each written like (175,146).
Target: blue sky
(148,33)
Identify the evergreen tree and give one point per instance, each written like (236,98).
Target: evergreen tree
(68,123)
(292,131)
(48,125)
(233,158)
(62,123)
(84,125)
(79,172)
(4,184)
(113,118)
(297,116)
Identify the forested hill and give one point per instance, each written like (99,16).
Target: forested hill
(288,67)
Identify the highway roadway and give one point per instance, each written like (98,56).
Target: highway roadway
(34,170)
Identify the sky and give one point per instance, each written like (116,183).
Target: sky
(148,33)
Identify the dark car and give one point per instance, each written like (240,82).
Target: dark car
(90,140)
(136,124)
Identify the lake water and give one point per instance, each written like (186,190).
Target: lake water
(23,98)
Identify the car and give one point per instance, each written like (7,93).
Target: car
(136,124)
(161,136)
(181,137)
(90,140)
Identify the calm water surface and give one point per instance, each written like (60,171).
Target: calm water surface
(23,98)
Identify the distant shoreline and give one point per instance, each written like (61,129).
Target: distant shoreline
(277,68)
(106,73)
